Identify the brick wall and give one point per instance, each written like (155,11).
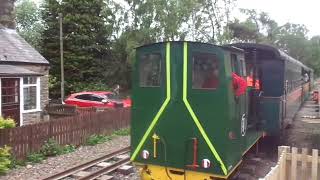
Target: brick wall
(32,118)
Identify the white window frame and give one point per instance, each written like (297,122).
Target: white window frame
(37,85)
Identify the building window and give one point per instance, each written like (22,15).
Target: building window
(31,93)
(205,71)
(150,70)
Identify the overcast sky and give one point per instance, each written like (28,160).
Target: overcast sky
(295,11)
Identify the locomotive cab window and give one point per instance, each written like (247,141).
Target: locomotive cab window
(150,70)
(234,64)
(205,71)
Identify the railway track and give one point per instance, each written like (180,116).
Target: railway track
(96,168)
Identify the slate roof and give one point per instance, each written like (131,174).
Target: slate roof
(11,70)
(13,48)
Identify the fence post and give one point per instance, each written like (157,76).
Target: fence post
(283,162)
(314,166)
(31,139)
(294,163)
(304,163)
(280,149)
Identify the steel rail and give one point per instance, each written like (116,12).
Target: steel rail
(106,170)
(86,165)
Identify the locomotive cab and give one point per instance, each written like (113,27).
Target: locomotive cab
(187,122)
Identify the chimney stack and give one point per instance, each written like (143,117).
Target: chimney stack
(7,14)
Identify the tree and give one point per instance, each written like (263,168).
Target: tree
(7,13)
(214,15)
(87,28)
(29,24)
(161,20)
(292,38)
(314,52)
(246,31)
(50,42)
(258,27)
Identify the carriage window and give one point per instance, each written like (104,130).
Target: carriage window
(150,68)
(205,71)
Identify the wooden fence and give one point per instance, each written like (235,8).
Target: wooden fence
(61,110)
(65,130)
(293,165)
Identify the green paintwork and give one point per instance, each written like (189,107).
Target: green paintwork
(271,110)
(208,115)
(192,113)
(162,108)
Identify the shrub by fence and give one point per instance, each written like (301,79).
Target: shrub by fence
(295,166)
(65,130)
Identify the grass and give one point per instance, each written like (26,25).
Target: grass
(35,157)
(122,132)
(98,139)
(49,148)
(68,149)
(15,163)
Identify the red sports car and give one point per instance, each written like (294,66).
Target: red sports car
(97,99)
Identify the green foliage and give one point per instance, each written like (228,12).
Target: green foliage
(7,123)
(100,36)
(97,86)
(51,148)
(291,38)
(97,139)
(7,14)
(35,157)
(5,159)
(244,31)
(122,132)
(68,149)
(29,23)
(87,32)
(15,163)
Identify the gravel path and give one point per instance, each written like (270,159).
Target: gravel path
(57,164)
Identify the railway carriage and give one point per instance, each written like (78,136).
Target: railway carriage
(283,85)
(187,121)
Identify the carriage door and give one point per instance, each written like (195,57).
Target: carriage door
(238,67)
(10,103)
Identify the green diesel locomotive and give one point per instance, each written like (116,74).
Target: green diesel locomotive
(187,121)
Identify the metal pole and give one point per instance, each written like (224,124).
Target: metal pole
(61,56)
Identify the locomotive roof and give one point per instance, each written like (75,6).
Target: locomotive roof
(277,52)
(230,48)
(238,47)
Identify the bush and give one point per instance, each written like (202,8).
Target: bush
(122,132)
(16,162)
(7,123)
(97,139)
(5,161)
(35,157)
(68,149)
(96,86)
(51,148)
